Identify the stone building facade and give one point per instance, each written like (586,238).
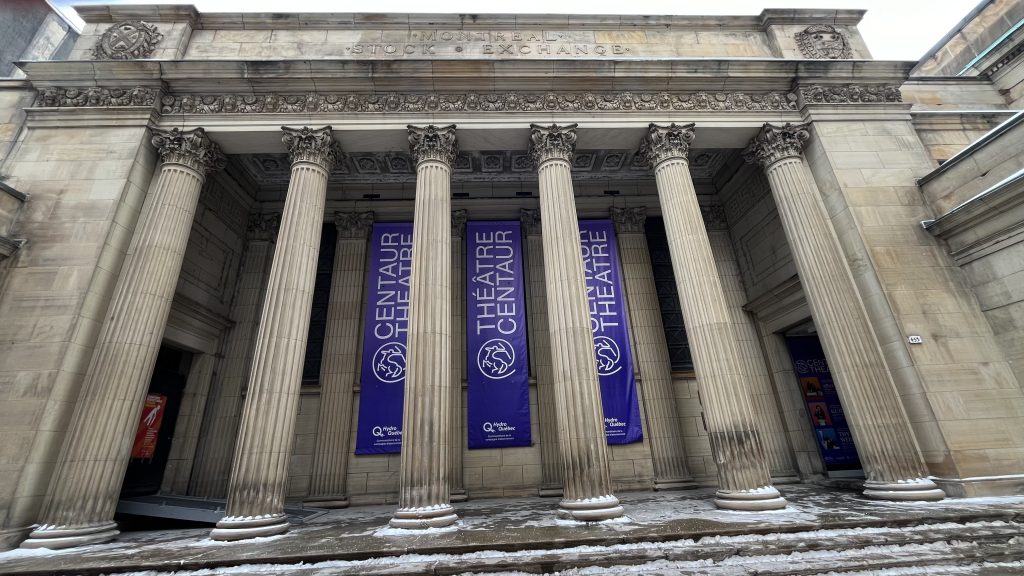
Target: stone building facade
(189,222)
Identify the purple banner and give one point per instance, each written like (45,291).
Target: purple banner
(611,335)
(498,368)
(835,441)
(382,382)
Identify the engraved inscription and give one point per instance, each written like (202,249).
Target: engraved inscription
(504,43)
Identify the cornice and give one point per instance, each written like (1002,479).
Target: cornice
(994,201)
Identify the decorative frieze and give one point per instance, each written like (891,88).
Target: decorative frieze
(552,142)
(664,142)
(848,94)
(433,143)
(823,42)
(477,102)
(191,148)
(312,145)
(128,40)
(773,143)
(96,96)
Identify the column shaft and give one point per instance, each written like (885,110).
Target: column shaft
(540,354)
(340,365)
(651,352)
(586,480)
(259,473)
(79,506)
(423,490)
(217,445)
(457,488)
(885,442)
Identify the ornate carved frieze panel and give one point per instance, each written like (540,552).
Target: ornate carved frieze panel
(848,93)
(477,102)
(128,40)
(96,97)
(823,42)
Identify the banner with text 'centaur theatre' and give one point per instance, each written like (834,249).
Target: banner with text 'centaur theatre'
(382,383)
(498,368)
(611,335)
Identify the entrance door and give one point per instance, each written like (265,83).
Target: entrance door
(835,442)
(152,445)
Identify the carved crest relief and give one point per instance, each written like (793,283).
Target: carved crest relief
(128,40)
(823,42)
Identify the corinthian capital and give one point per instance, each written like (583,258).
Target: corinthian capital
(552,142)
(773,143)
(353,224)
(629,220)
(433,143)
(312,145)
(664,142)
(458,223)
(529,218)
(191,148)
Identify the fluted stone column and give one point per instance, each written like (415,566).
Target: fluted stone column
(456,485)
(586,480)
(217,445)
(79,506)
(885,442)
(540,355)
(423,499)
(259,472)
(340,364)
(744,483)
(651,352)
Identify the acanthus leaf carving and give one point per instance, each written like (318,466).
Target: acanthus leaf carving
(529,218)
(848,93)
(664,142)
(629,220)
(191,148)
(96,96)
(353,224)
(263,226)
(459,218)
(552,142)
(315,145)
(774,143)
(432,142)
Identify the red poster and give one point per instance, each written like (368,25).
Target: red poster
(149,426)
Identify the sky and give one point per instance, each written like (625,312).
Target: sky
(893,29)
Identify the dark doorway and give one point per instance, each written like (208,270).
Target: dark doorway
(831,432)
(152,445)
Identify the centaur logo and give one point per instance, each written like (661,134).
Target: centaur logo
(496,359)
(608,355)
(389,362)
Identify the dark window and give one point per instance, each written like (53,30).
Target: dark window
(668,296)
(321,298)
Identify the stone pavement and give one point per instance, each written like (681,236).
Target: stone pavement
(663,533)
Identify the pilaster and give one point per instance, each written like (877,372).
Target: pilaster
(457,488)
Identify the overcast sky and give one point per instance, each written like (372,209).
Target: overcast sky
(893,29)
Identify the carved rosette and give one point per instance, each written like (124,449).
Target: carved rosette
(263,227)
(432,142)
(823,42)
(191,148)
(664,142)
(128,40)
(629,220)
(353,224)
(314,145)
(552,142)
(774,143)
(458,223)
(529,218)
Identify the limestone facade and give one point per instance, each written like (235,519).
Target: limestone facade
(805,196)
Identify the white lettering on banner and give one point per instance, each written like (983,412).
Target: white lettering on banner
(597,267)
(391,310)
(495,268)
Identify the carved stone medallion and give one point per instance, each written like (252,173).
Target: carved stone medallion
(823,42)
(128,40)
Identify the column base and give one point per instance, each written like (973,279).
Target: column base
(458,496)
(919,489)
(590,509)
(329,502)
(756,500)
(56,537)
(551,490)
(675,484)
(437,516)
(232,528)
